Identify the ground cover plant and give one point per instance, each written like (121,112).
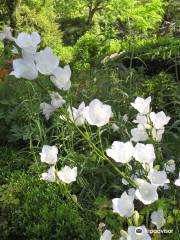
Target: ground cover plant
(90,128)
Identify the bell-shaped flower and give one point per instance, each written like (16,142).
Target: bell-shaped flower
(146,193)
(107,235)
(157,218)
(61,77)
(46,62)
(159,119)
(49,154)
(77,115)
(49,175)
(138,233)
(115,127)
(24,68)
(28,42)
(142,105)
(47,109)
(157,134)
(124,205)
(97,113)
(67,174)
(144,153)
(121,152)
(56,100)
(157,178)
(139,135)
(6,34)
(170,166)
(177,181)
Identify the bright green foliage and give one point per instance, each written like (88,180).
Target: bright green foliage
(41,18)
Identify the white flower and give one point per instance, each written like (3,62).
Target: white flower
(138,233)
(47,109)
(159,119)
(157,134)
(141,120)
(61,77)
(67,174)
(77,115)
(49,154)
(49,175)
(56,100)
(146,193)
(7,34)
(139,135)
(115,127)
(144,153)
(177,181)
(158,178)
(121,152)
(122,238)
(97,113)
(170,166)
(124,205)
(28,42)
(142,105)
(107,235)
(46,62)
(124,181)
(24,68)
(157,217)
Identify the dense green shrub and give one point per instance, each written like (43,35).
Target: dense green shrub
(36,210)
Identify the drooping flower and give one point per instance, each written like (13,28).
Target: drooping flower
(56,100)
(47,109)
(139,135)
(46,62)
(49,154)
(77,115)
(115,127)
(124,205)
(121,152)
(177,181)
(24,68)
(6,34)
(142,105)
(97,113)
(157,218)
(67,174)
(144,153)
(157,134)
(159,119)
(28,42)
(138,233)
(158,178)
(61,77)
(170,166)
(49,175)
(146,193)
(107,235)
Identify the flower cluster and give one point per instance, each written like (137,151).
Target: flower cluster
(34,63)
(66,174)
(150,128)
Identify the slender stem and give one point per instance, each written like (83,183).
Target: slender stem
(101,153)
